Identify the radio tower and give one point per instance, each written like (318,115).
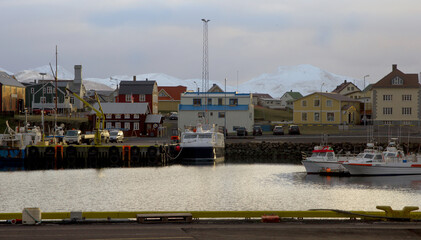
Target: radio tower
(205,67)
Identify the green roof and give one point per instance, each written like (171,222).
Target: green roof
(295,95)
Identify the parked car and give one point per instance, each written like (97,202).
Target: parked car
(257,130)
(293,129)
(116,136)
(173,116)
(73,137)
(241,131)
(278,130)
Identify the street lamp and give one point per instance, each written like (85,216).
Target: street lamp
(365,100)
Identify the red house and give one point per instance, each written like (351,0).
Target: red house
(139,92)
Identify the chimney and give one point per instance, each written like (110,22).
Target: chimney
(345,81)
(394,67)
(78,74)
(134,78)
(146,79)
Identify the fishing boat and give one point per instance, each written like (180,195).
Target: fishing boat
(393,161)
(13,145)
(324,161)
(201,145)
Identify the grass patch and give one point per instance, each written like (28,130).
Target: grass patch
(266,114)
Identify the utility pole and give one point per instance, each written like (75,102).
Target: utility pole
(205,66)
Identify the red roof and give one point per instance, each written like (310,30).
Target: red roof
(174,93)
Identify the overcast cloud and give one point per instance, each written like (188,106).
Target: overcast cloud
(127,37)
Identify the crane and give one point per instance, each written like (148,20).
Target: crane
(100,117)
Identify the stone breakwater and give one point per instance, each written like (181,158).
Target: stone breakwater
(285,152)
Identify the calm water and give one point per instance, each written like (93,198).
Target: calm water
(195,188)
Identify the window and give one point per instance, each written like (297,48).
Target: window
(142,97)
(221,114)
(118,116)
(43,90)
(109,116)
(136,116)
(127,125)
(352,88)
(234,101)
(201,114)
(49,90)
(32,90)
(316,102)
(126,116)
(387,111)
(406,97)
(304,116)
(397,81)
(128,97)
(118,125)
(387,97)
(135,126)
(209,101)
(317,117)
(197,101)
(330,117)
(406,111)
(161,94)
(108,125)
(220,101)
(304,103)
(42,100)
(328,103)
(54,100)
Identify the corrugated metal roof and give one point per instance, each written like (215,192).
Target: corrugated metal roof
(8,80)
(136,87)
(153,118)
(123,108)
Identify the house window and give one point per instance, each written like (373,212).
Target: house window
(128,97)
(201,114)
(135,126)
(209,101)
(317,117)
(220,101)
(136,116)
(43,90)
(397,81)
(352,88)
(72,100)
(118,116)
(316,102)
(197,101)
(304,103)
(142,97)
(221,114)
(42,100)
(406,97)
(406,111)
(387,111)
(127,125)
(304,116)
(118,125)
(126,116)
(54,99)
(32,90)
(387,97)
(328,103)
(108,125)
(109,116)
(161,94)
(233,101)
(330,116)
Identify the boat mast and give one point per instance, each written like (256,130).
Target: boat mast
(55,102)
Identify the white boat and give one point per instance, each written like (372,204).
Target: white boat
(393,162)
(323,160)
(202,146)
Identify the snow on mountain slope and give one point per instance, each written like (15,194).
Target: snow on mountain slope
(4,70)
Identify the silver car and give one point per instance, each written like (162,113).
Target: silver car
(116,136)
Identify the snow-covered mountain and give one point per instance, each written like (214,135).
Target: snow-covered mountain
(302,78)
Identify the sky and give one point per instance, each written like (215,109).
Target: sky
(246,38)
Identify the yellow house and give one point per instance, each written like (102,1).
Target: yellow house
(326,108)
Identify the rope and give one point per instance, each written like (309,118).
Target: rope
(33,218)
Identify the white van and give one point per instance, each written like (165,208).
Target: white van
(116,136)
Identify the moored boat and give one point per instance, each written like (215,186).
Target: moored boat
(324,161)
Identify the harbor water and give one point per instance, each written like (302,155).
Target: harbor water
(220,187)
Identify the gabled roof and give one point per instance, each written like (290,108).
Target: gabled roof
(136,87)
(295,95)
(153,118)
(343,85)
(8,80)
(173,92)
(262,95)
(335,96)
(409,80)
(215,88)
(123,108)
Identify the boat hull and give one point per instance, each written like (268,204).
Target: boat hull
(202,154)
(383,169)
(11,159)
(317,167)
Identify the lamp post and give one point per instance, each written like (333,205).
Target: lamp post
(365,100)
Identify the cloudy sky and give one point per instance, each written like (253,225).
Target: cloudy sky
(249,37)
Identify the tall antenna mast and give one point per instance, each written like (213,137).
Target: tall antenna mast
(205,67)
(55,115)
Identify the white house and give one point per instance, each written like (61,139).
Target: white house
(288,98)
(228,109)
